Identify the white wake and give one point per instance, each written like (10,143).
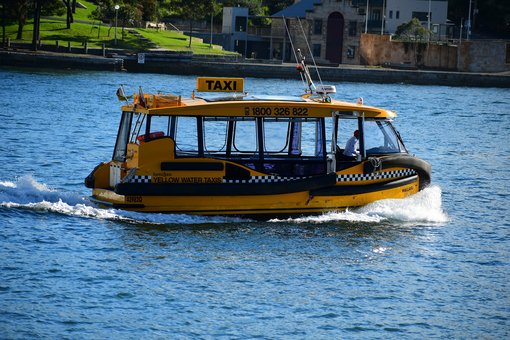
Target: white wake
(27,193)
(423,207)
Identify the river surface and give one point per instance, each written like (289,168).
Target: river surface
(435,265)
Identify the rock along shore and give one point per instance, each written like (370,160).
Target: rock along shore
(185,64)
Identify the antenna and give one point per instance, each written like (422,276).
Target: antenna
(310,52)
(322,90)
(305,72)
(293,50)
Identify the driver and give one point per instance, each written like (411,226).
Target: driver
(352,145)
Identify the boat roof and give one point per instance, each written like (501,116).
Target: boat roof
(241,105)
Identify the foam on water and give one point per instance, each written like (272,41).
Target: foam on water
(424,207)
(27,193)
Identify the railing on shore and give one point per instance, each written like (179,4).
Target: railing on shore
(65,47)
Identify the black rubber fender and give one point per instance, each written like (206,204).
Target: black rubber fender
(422,168)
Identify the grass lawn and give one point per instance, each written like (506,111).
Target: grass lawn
(84,13)
(53,29)
(178,42)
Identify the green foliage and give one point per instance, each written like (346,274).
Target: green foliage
(130,12)
(53,7)
(411,31)
(53,30)
(259,7)
(277,5)
(20,11)
(194,9)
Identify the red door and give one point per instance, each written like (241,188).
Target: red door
(335,37)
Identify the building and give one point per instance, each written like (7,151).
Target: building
(330,30)
(398,12)
(250,40)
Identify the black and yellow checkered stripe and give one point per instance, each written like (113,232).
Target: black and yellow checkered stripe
(141,179)
(375,175)
(262,179)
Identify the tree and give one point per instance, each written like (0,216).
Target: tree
(37,24)
(3,3)
(69,10)
(20,9)
(276,5)
(411,31)
(194,10)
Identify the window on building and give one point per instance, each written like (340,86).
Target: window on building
(376,14)
(391,14)
(422,16)
(507,54)
(353,28)
(241,24)
(351,52)
(316,50)
(397,15)
(317,26)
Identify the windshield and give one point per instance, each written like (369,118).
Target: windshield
(381,138)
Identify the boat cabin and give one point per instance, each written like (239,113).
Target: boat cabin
(283,136)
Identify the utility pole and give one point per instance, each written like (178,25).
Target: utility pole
(460,42)
(468,26)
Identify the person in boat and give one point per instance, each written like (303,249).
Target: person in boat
(352,145)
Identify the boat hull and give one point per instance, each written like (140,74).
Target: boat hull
(315,201)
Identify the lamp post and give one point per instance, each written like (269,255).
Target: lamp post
(468,25)
(116,15)
(383,17)
(428,21)
(210,39)
(366,19)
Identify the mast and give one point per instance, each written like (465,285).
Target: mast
(304,71)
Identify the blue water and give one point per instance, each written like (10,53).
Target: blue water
(435,265)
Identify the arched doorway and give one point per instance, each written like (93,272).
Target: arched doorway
(335,37)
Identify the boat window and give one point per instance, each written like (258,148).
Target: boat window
(160,124)
(119,153)
(346,128)
(186,135)
(312,138)
(245,136)
(381,138)
(215,135)
(276,134)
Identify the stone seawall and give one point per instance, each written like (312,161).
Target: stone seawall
(331,74)
(60,61)
(189,66)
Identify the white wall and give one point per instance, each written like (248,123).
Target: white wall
(438,9)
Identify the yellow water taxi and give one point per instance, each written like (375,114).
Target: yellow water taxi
(233,153)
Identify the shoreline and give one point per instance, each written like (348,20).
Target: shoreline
(177,64)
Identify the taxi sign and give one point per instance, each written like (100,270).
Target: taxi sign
(207,84)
